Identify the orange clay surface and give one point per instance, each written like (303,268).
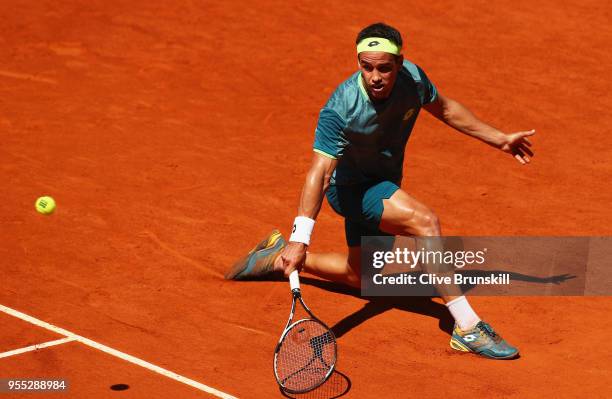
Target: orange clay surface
(174,135)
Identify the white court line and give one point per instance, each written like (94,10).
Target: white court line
(116,353)
(36,347)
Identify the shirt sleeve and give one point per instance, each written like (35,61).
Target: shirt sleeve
(330,139)
(428,91)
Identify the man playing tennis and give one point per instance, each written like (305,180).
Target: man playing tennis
(357,163)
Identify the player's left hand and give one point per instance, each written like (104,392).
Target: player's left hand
(517,144)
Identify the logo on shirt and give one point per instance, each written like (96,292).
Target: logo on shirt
(409,114)
(373,43)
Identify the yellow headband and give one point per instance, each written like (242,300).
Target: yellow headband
(378,44)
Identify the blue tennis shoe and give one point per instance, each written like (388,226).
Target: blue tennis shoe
(483,341)
(260,260)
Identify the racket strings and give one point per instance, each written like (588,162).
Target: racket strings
(306,356)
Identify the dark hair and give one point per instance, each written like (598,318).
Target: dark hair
(380,29)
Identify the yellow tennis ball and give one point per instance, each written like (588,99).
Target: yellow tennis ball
(45,205)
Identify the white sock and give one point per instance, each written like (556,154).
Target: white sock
(464,315)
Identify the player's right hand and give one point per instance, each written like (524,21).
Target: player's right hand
(517,144)
(292,258)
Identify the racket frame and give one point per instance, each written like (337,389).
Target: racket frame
(297,296)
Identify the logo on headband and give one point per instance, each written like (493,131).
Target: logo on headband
(378,44)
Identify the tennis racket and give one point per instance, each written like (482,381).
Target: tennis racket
(306,352)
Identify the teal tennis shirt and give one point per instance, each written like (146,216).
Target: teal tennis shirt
(367,138)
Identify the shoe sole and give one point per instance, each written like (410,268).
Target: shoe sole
(458,346)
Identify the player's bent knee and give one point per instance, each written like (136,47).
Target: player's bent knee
(423,223)
(406,216)
(429,225)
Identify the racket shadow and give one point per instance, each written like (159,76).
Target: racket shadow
(336,386)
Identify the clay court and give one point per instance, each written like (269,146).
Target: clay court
(174,137)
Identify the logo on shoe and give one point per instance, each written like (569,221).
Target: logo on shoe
(470,338)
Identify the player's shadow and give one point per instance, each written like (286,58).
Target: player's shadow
(336,386)
(378,305)
(423,305)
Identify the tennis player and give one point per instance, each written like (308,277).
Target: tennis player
(357,164)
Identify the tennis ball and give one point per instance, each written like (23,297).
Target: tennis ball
(45,205)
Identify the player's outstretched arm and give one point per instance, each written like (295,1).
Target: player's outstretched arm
(317,182)
(462,119)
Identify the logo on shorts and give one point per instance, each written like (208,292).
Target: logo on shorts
(408,114)
(373,43)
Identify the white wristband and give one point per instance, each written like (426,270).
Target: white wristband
(302,229)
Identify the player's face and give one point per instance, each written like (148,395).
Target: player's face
(379,71)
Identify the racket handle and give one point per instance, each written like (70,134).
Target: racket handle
(294,280)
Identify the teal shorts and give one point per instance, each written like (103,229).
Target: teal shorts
(361,205)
